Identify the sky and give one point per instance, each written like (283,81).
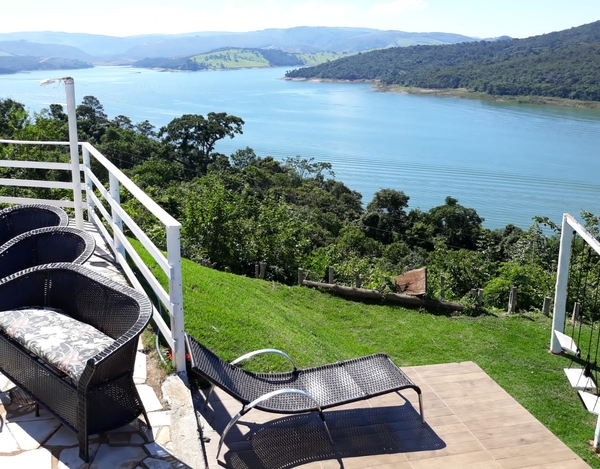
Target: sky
(477,18)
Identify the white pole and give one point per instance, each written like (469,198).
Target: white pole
(562,280)
(176,294)
(74,146)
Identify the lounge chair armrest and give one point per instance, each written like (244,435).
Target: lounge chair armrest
(271,394)
(264,397)
(265,350)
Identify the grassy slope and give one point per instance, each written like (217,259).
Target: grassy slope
(241,58)
(233,315)
(320,57)
(231,58)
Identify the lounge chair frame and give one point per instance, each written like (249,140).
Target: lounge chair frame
(301,390)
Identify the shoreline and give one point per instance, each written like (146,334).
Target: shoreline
(461,93)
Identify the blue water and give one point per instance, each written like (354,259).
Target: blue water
(510,162)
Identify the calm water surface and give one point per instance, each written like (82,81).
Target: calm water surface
(510,162)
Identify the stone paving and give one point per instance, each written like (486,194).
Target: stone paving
(27,441)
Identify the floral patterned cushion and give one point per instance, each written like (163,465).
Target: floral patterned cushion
(55,337)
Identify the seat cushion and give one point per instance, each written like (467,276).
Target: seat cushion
(55,337)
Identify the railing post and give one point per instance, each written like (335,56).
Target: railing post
(88,183)
(176,295)
(562,280)
(74,147)
(115,193)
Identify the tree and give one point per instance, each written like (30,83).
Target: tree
(385,215)
(13,117)
(456,226)
(92,121)
(243,158)
(192,138)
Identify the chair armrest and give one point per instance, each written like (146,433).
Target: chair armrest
(264,397)
(261,351)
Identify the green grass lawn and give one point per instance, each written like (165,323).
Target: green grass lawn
(233,315)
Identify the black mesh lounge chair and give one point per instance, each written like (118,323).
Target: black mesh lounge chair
(105,396)
(307,390)
(45,246)
(22,218)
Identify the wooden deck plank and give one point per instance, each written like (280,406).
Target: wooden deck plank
(470,422)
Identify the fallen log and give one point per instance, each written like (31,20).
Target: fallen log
(376,295)
(346,291)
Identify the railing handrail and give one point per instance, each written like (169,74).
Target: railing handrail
(154,208)
(34,142)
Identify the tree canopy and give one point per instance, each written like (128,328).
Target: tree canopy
(242,209)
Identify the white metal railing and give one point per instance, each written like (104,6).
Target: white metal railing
(559,341)
(113,221)
(569,226)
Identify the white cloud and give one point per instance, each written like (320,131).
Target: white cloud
(398,7)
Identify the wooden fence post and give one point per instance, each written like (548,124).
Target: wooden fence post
(442,287)
(263,269)
(256,271)
(300,276)
(546,306)
(357,279)
(575,315)
(512,299)
(480,297)
(331,279)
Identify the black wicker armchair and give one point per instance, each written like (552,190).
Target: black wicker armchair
(45,246)
(298,391)
(101,395)
(22,218)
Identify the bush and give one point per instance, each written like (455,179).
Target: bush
(533,284)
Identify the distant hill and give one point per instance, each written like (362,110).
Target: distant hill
(234,58)
(12,64)
(563,64)
(293,40)
(26,48)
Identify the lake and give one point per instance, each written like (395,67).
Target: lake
(510,162)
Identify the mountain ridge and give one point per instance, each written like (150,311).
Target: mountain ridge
(301,39)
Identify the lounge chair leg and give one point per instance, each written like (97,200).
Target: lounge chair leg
(322,415)
(421,407)
(210,391)
(228,427)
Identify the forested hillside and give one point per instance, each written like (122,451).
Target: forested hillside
(564,64)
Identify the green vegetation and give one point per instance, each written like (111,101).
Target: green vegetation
(242,209)
(317,58)
(564,64)
(233,58)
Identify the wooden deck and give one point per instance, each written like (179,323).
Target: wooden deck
(471,422)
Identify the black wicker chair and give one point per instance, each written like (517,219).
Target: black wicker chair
(22,218)
(306,390)
(105,397)
(45,246)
